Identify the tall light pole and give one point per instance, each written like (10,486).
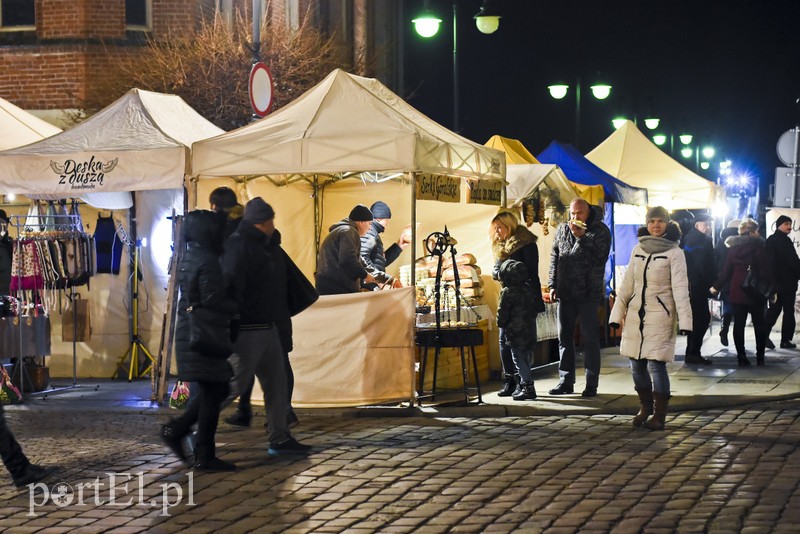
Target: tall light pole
(427,25)
(600,91)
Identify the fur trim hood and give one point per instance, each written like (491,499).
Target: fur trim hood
(502,250)
(741,240)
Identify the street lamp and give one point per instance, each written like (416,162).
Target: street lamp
(427,25)
(600,91)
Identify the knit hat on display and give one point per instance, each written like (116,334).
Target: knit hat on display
(380,210)
(657,212)
(782,219)
(360,213)
(257,211)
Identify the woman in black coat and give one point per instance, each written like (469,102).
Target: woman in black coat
(510,241)
(201,286)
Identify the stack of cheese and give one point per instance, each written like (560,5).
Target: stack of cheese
(470,283)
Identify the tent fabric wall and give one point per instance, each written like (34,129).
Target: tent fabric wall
(580,170)
(631,157)
(19,128)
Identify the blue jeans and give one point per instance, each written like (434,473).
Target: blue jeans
(522,361)
(568,314)
(641,376)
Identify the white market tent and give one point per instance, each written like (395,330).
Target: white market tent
(630,156)
(18,127)
(139,143)
(348,140)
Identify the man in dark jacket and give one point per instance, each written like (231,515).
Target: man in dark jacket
(577,267)
(782,255)
(259,278)
(223,200)
(340,269)
(375,257)
(701,270)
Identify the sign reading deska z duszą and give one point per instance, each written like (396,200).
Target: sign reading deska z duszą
(438,187)
(85,174)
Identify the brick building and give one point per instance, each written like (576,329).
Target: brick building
(53,52)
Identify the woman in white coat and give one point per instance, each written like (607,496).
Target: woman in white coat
(651,302)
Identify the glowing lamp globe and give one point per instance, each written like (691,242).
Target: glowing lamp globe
(601,91)
(618,122)
(427,24)
(660,139)
(558,91)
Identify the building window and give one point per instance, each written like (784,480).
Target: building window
(17,14)
(137,13)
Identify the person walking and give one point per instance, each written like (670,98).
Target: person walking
(510,240)
(702,272)
(260,278)
(340,269)
(375,257)
(202,286)
(516,318)
(745,251)
(652,300)
(721,252)
(577,267)
(782,255)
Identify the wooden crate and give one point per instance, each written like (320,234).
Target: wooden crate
(449,374)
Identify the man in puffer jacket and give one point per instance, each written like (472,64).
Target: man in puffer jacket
(375,257)
(340,269)
(577,266)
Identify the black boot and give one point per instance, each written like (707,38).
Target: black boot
(173,438)
(526,392)
(205,460)
(760,359)
(660,403)
(241,417)
(33,473)
(743,361)
(509,385)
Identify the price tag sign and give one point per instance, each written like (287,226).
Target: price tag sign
(488,192)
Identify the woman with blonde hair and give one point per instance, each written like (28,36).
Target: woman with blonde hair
(510,241)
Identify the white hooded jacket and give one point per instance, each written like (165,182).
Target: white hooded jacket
(653,298)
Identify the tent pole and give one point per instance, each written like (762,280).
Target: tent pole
(413,178)
(317,221)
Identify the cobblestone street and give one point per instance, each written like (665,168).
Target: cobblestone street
(714,471)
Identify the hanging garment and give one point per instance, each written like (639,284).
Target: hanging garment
(108,246)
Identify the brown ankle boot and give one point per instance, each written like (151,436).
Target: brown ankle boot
(661,400)
(646,408)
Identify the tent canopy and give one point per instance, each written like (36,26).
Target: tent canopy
(582,171)
(630,156)
(526,178)
(139,142)
(345,124)
(19,128)
(515,151)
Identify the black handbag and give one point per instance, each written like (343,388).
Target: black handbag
(755,286)
(301,293)
(209,332)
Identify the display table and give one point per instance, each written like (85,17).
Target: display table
(456,340)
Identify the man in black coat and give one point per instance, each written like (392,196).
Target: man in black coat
(701,271)
(376,258)
(782,255)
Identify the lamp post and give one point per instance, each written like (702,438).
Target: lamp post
(600,91)
(427,25)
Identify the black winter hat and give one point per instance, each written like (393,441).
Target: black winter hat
(360,213)
(380,210)
(258,211)
(782,219)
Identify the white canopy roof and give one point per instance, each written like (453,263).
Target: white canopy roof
(630,156)
(524,179)
(19,128)
(345,124)
(139,142)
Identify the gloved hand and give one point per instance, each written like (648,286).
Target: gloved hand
(234,330)
(613,325)
(684,332)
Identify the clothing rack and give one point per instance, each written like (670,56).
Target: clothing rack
(47,228)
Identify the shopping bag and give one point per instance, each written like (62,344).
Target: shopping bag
(180,395)
(9,394)
(76,313)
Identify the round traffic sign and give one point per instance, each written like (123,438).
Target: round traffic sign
(786,147)
(260,89)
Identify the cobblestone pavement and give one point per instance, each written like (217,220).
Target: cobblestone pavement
(733,470)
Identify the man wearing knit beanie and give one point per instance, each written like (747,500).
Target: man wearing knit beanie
(252,252)
(340,268)
(701,271)
(782,255)
(375,257)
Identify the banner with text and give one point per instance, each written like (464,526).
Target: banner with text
(485,192)
(438,187)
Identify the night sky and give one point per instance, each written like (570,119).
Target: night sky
(727,71)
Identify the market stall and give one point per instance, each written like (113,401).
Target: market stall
(346,141)
(137,148)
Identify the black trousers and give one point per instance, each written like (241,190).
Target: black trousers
(785,304)
(701,318)
(740,312)
(14,459)
(203,409)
